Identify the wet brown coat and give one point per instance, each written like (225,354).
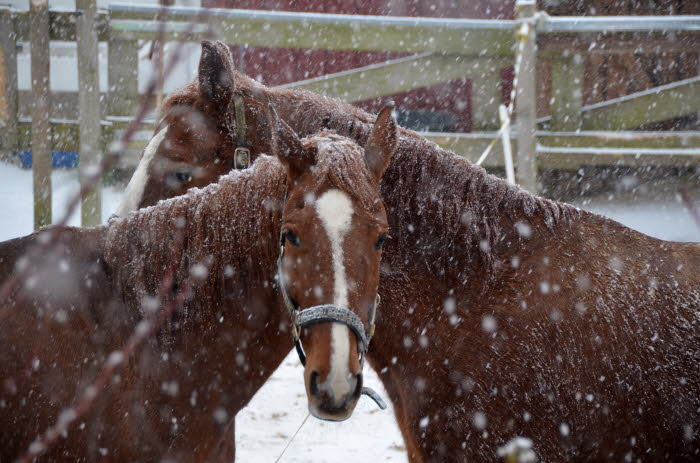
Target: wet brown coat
(177,397)
(505,314)
(80,301)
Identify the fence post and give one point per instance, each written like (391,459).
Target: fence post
(526,100)
(567,91)
(89,103)
(122,65)
(122,77)
(9,135)
(41,126)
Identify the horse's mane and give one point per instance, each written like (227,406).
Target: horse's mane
(344,168)
(231,227)
(477,211)
(458,209)
(186,96)
(456,203)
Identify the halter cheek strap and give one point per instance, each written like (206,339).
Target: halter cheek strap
(241,156)
(329,313)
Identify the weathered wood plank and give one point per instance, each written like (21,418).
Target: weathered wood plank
(122,75)
(331,36)
(575,158)
(89,103)
(614,43)
(567,150)
(8,86)
(487,93)
(398,75)
(41,129)
(62,26)
(646,107)
(65,134)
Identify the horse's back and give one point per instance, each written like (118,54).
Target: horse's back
(627,321)
(599,338)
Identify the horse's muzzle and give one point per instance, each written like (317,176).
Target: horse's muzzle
(326,404)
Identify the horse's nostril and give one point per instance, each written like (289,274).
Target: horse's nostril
(358,386)
(313,384)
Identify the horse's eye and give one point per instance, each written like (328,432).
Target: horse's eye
(380,242)
(292,238)
(183,176)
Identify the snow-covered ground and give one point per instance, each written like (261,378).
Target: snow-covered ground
(266,425)
(16,209)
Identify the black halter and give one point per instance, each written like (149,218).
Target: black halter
(236,109)
(328,313)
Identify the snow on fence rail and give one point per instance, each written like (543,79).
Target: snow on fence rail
(444,50)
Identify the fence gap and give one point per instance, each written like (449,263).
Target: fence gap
(567,91)
(9,129)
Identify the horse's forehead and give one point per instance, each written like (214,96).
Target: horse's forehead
(191,135)
(333,145)
(191,119)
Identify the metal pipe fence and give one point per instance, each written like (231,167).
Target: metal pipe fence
(441,50)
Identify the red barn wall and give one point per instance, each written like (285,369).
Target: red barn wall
(278,66)
(606,75)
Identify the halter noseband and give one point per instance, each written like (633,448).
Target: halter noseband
(328,313)
(241,156)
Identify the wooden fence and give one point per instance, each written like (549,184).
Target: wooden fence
(443,49)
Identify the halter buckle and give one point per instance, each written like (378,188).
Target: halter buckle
(241,158)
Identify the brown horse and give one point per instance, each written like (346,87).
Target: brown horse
(505,314)
(78,306)
(202,131)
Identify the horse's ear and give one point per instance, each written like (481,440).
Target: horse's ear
(381,143)
(290,150)
(216,73)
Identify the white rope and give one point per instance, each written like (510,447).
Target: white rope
(292,439)
(505,139)
(506,116)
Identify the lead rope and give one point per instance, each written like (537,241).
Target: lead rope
(292,439)
(506,113)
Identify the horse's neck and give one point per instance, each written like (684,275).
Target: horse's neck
(455,222)
(448,217)
(223,239)
(308,113)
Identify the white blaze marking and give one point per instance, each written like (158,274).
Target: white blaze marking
(335,210)
(134,190)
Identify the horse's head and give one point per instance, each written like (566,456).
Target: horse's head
(205,130)
(333,229)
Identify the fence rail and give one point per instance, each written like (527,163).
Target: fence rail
(439,50)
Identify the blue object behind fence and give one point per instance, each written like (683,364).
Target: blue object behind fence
(65,159)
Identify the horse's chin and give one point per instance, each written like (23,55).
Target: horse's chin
(341,415)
